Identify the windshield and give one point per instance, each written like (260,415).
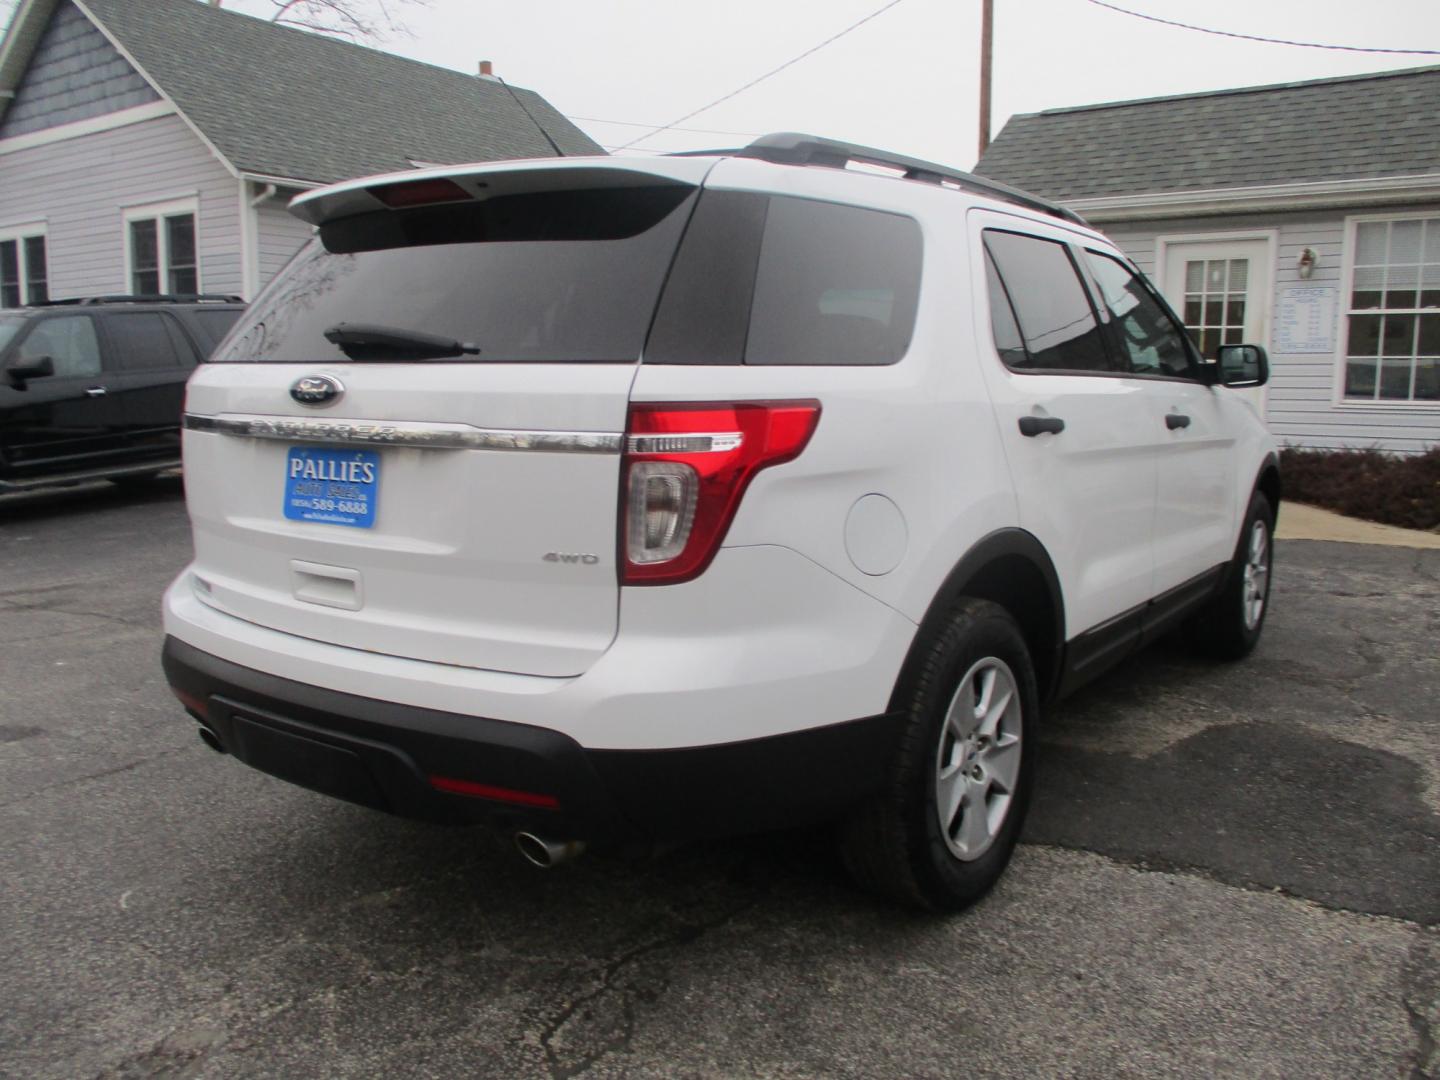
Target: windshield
(9,326)
(561,276)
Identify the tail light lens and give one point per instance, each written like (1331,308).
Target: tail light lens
(686,468)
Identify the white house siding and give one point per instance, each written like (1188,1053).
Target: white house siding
(281,234)
(1301,404)
(79,188)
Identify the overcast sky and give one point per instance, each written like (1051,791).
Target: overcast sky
(907,80)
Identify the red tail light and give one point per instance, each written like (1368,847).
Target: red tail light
(686,468)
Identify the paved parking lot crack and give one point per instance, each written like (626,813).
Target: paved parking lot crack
(606,984)
(1420,994)
(100,775)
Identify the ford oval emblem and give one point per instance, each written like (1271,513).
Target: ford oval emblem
(316,389)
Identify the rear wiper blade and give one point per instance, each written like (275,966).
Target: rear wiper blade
(371,341)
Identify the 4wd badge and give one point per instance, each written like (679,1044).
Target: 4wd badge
(316,389)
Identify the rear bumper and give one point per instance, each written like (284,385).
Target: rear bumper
(520,776)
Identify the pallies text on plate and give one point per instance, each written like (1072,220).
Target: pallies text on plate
(362,472)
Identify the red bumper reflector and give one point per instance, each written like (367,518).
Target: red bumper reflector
(190,701)
(498,794)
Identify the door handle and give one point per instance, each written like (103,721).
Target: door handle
(1176,420)
(1030,426)
(95,391)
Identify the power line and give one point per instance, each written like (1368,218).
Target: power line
(774,71)
(1254,37)
(671,127)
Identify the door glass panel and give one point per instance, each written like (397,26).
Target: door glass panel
(1215,311)
(1002,319)
(70,343)
(1148,335)
(1051,306)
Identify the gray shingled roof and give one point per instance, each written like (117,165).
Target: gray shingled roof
(281,102)
(1358,127)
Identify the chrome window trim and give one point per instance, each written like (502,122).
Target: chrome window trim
(407,433)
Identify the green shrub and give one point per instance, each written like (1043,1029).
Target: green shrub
(1390,489)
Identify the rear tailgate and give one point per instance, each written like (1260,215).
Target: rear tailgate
(451,508)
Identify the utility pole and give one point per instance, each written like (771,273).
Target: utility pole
(987,21)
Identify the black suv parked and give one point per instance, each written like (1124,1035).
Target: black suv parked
(93,388)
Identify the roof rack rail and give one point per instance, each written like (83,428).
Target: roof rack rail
(794,148)
(140,298)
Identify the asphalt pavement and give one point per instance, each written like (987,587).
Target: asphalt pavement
(1229,871)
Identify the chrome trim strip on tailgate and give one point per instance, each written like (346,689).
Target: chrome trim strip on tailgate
(405,433)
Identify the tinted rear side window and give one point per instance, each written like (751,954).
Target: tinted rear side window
(780,280)
(215,323)
(145,340)
(1050,304)
(569,276)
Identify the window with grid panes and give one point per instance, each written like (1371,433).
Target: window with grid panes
(1215,302)
(162,255)
(24,278)
(1392,340)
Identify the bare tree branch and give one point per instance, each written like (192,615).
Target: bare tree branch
(354,20)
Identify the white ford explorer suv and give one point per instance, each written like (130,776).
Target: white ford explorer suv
(617,502)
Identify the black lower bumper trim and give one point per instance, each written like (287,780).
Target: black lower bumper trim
(382,755)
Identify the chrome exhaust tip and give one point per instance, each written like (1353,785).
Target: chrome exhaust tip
(210,739)
(547,853)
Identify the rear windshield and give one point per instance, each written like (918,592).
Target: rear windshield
(562,277)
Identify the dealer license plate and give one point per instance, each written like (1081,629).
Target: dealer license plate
(336,487)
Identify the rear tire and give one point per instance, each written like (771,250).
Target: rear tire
(1229,627)
(942,831)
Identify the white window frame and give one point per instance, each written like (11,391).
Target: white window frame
(1342,338)
(159,211)
(21,233)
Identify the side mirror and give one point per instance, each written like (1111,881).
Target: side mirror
(24,368)
(1242,366)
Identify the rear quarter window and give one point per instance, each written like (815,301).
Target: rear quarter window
(777,280)
(214,324)
(147,341)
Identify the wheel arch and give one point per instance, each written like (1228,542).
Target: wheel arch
(1009,567)
(1268,480)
